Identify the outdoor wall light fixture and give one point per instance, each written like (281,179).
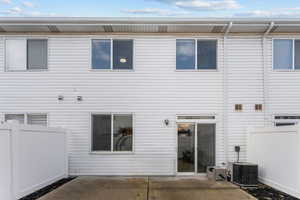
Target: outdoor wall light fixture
(79,98)
(60,97)
(167,122)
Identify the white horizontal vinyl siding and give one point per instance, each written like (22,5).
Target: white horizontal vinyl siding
(153,91)
(245,86)
(283,86)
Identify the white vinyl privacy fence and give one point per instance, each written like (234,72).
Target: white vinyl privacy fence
(31,158)
(276,150)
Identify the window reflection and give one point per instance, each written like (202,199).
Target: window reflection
(186,145)
(122,135)
(185,54)
(101,54)
(122,54)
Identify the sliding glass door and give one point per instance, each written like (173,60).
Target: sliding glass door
(196,147)
(186,147)
(205,146)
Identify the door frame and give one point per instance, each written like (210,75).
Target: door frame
(195,122)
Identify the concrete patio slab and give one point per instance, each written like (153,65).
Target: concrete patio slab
(194,189)
(144,188)
(101,188)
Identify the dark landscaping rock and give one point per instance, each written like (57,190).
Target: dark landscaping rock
(264,192)
(47,189)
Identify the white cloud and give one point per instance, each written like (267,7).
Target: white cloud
(14,11)
(24,8)
(17,11)
(40,14)
(28,4)
(154,11)
(169,1)
(284,12)
(6,1)
(185,50)
(203,5)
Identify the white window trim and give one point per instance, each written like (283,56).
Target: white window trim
(91,151)
(196,60)
(26,116)
(111,55)
(6,68)
(203,121)
(293,54)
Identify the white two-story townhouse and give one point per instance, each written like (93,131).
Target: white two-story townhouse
(150,96)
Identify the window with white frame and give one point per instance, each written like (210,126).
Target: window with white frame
(30,118)
(112,132)
(196,54)
(26,54)
(286,54)
(286,120)
(116,54)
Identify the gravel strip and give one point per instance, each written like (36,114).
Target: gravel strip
(47,189)
(264,192)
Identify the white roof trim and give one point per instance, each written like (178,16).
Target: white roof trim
(251,25)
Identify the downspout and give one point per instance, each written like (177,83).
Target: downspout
(225,92)
(265,75)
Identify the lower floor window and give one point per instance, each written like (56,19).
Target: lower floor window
(112,132)
(30,118)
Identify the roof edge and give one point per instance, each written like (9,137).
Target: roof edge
(133,20)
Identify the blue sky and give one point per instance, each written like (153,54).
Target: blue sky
(151,8)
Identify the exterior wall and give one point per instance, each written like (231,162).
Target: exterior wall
(283,95)
(153,91)
(244,86)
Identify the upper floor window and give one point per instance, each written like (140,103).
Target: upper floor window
(26,54)
(286,54)
(112,54)
(31,118)
(194,54)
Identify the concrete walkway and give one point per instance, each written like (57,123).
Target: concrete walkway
(160,188)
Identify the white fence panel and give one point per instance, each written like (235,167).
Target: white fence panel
(35,156)
(5,169)
(276,150)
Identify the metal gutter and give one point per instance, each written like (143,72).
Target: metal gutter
(150,20)
(144,19)
(55,22)
(102,24)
